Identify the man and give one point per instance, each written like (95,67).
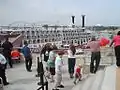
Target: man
(7,48)
(95,54)
(2,69)
(28,57)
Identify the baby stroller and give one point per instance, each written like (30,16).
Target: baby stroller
(15,56)
(1,84)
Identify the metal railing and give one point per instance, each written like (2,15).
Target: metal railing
(107,56)
(40,73)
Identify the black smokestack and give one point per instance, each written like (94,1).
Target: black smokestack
(83,21)
(73,20)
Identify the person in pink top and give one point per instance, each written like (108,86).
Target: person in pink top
(95,54)
(116,41)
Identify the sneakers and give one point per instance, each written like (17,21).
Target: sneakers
(7,83)
(61,86)
(74,82)
(29,70)
(37,75)
(39,83)
(71,76)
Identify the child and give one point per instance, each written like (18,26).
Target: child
(51,65)
(58,70)
(78,74)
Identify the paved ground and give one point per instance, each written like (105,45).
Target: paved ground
(20,79)
(117,78)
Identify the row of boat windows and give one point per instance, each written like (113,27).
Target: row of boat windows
(54,30)
(58,39)
(57,33)
(41,41)
(67,41)
(70,37)
(46,32)
(72,34)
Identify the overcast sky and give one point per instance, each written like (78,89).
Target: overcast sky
(105,12)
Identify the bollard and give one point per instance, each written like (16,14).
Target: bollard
(46,85)
(41,75)
(38,73)
(41,71)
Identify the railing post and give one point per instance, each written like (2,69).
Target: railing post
(112,55)
(41,74)
(38,73)
(46,85)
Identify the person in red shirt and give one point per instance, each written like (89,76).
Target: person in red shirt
(78,74)
(116,42)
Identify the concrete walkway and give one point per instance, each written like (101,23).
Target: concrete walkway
(117,78)
(20,79)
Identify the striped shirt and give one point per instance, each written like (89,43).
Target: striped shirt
(94,46)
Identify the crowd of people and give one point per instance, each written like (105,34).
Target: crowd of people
(5,57)
(54,63)
(8,54)
(54,60)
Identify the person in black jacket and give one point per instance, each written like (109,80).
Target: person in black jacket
(7,48)
(0,44)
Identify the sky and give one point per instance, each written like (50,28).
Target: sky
(104,12)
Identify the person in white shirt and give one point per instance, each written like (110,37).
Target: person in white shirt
(3,62)
(71,60)
(58,70)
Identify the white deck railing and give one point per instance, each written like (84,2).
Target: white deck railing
(107,56)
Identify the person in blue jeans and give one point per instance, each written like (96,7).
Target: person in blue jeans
(28,57)
(71,60)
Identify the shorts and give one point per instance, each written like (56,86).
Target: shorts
(52,70)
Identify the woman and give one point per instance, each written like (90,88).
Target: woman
(71,60)
(46,50)
(116,41)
